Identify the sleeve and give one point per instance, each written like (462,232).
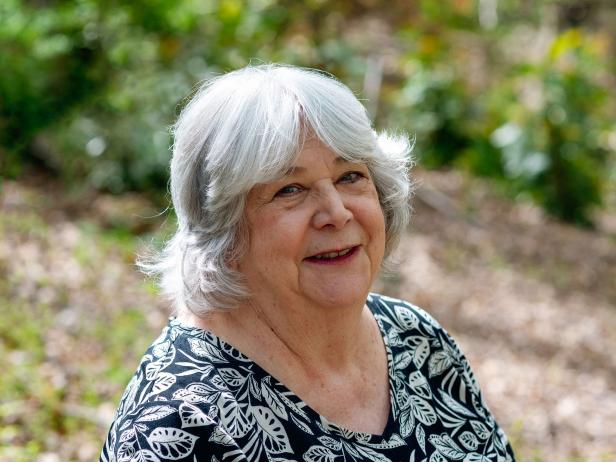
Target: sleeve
(170,431)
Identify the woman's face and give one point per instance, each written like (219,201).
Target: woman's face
(318,233)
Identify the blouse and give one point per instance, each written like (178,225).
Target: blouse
(196,398)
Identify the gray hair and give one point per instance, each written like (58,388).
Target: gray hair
(244,128)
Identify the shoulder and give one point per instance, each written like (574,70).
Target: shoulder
(411,329)
(402,315)
(170,408)
(163,431)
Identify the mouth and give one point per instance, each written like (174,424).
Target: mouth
(333,256)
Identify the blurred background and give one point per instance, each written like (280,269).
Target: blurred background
(513,243)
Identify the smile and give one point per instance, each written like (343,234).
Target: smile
(334,256)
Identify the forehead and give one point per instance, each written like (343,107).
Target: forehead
(313,154)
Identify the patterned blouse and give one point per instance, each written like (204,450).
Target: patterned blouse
(196,398)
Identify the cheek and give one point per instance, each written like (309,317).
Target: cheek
(276,237)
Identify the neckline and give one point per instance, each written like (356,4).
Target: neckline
(317,419)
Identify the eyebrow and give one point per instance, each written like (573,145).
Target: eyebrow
(299,169)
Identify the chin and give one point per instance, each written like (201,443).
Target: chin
(342,294)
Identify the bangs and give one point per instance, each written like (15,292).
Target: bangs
(268,119)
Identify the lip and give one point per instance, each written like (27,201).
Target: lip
(335,260)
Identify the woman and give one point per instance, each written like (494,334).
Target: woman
(287,205)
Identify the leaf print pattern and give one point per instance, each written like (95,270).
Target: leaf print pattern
(196,398)
(171,443)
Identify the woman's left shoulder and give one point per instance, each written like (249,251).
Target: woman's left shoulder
(409,328)
(404,316)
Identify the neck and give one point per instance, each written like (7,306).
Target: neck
(318,340)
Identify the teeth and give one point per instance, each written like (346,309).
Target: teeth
(332,254)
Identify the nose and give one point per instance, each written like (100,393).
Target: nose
(331,209)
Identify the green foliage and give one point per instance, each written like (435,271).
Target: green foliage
(550,145)
(89,89)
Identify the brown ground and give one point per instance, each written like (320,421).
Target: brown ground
(532,302)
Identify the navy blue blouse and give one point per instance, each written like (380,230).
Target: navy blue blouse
(196,398)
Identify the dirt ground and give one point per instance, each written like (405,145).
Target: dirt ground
(532,303)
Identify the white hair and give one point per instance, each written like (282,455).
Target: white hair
(244,128)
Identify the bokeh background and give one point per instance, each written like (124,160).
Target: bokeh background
(513,244)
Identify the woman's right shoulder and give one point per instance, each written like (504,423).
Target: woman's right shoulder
(167,430)
(169,408)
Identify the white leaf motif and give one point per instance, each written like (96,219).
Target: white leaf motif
(480,429)
(469,441)
(437,457)
(406,317)
(330,443)
(204,349)
(447,446)
(273,401)
(420,434)
(161,349)
(145,455)
(164,381)
(185,395)
(171,443)
(127,435)
(407,422)
(221,437)
(126,451)
(439,362)
(371,454)
(153,368)
(275,436)
(402,360)
(420,385)
(422,351)
(454,405)
(301,425)
(192,416)
(423,410)
(233,420)
(155,413)
(201,388)
(475,457)
(231,377)
(319,454)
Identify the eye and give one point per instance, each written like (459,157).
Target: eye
(288,190)
(351,177)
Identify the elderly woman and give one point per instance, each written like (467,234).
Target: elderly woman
(287,204)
